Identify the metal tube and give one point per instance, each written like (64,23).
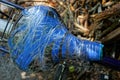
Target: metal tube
(12,4)
(110,62)
(4,50)
(4,14)
(11,13)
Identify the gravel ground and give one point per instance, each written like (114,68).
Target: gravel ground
(9,71)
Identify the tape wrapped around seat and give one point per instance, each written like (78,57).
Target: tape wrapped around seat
(41,32)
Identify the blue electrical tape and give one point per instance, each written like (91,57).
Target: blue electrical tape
(41,27)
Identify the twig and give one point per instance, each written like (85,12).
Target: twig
(111,35)
(115,10)
(110,28)
(81,28)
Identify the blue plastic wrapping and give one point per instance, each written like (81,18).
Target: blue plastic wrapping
(40,32)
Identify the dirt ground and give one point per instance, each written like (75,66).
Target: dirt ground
(9,71)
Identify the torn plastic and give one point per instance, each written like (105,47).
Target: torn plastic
(40,33)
